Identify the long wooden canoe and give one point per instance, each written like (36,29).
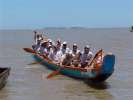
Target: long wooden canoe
(4,73)
(100,75)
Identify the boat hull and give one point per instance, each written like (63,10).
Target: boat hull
(90,75)
(4,73)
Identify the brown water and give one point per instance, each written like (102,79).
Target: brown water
(28,82)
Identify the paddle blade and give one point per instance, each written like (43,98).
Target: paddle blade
(34,63)
(29,50)
(53,74)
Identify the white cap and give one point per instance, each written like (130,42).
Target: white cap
(49,40)
(64,42)
(75,44)
(87,46)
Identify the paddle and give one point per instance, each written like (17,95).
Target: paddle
(53,74)
(35,63)
(29,50)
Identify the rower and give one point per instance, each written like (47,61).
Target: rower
(86,56)
(43,48)
(48,50)
(50,42)
(66,59)
(64,48)
(55,55)
(58,44)
(75,55)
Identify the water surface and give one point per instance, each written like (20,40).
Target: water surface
(28,82)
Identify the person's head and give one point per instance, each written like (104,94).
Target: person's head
(86,49)
(58,41)
(64,46)
(75,47)
(49,46)
(50,42)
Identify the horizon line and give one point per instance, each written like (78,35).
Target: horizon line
(63,27)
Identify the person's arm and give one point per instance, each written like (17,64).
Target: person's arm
(62,60)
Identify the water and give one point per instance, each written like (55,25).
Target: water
(28,82)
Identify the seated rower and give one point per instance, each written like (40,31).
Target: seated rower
(55,55)
(64,48)
(48,50)
(66,59)
(50,42)
(58,44)
(86,56)
(75,55)
(43,47)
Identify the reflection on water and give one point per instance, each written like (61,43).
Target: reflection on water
(28,82)
(100,86)
(85,91)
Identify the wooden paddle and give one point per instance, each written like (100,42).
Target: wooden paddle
(29,50)
(53,74)
(56,72)
(35,62)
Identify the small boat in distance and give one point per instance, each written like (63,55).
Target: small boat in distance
(4,73)
(131,29)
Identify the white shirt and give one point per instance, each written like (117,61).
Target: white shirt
(42,49)
(75,53)
(47,51)
(86,57)
(37,47)
(55,56)
(64,51)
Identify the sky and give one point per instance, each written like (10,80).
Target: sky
(34,14)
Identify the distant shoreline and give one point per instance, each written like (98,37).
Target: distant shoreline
(66,28)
